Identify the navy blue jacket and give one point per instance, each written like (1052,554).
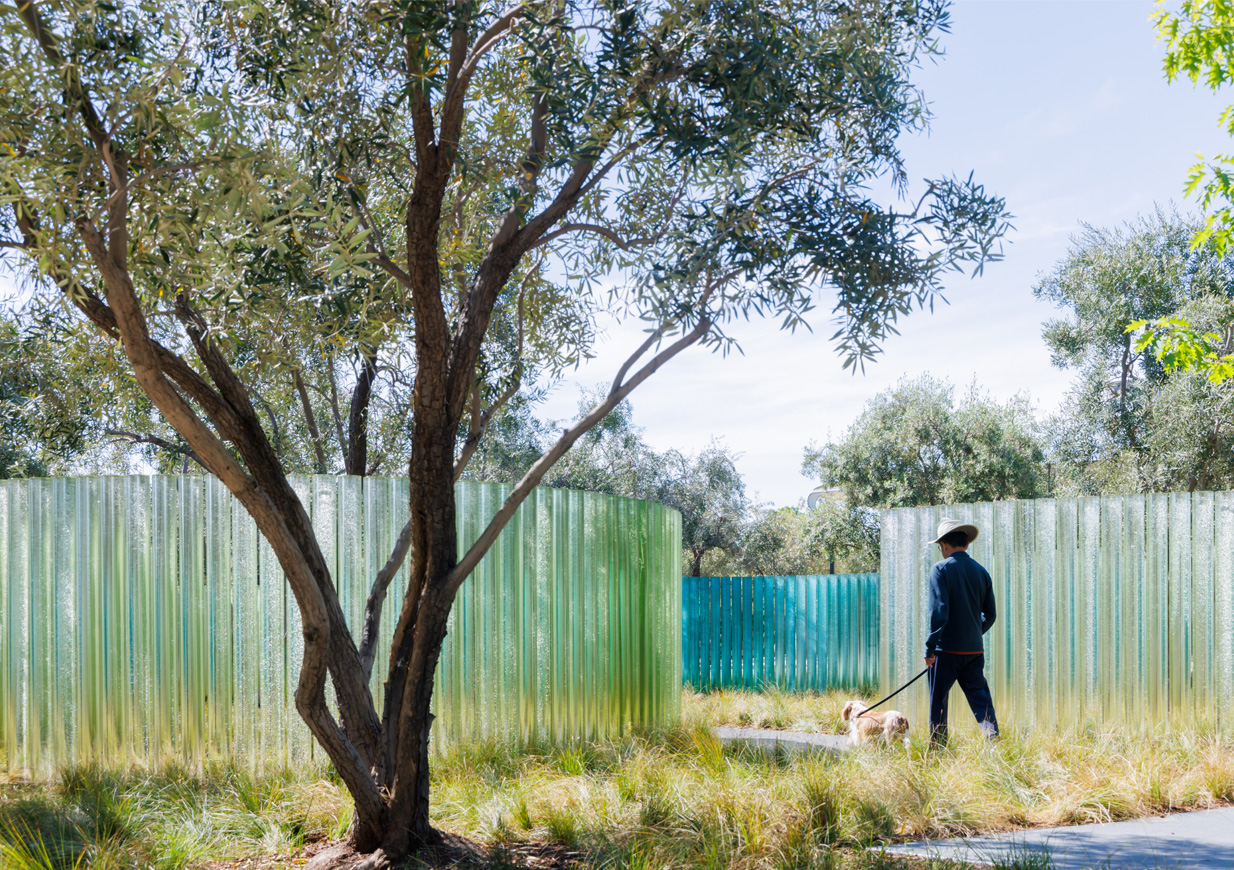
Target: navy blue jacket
(961,605)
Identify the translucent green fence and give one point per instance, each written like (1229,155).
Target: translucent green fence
(799,633)
(1116,609)
(144,619)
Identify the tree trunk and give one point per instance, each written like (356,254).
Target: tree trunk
(403,765)
(696,562)
(356,461)
(419,635)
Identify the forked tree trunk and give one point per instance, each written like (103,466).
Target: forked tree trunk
(413,661)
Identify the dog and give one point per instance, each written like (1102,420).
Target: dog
(871,726)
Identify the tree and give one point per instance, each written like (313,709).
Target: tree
(41,425)
(831,538)
(711,495)
(847,535)
(1128,424)
(611,457)
(421,160)
(912,445)
(615,458)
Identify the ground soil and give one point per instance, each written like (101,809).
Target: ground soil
(457,852)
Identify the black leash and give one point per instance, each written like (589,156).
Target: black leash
(896,692)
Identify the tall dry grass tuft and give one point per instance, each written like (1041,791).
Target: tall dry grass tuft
(676,798)
(681,799)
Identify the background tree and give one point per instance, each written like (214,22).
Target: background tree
(37,429)
(709,492)
(716,157)
(1128,425)
(612,457)
(913,445)
(831,538)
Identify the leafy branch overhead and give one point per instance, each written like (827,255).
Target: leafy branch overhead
(1179,346)
(1199,39)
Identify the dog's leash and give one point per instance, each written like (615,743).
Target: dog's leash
(893,694)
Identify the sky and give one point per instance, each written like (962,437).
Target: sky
(1061,107)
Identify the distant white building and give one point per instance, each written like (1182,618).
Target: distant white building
(820,492)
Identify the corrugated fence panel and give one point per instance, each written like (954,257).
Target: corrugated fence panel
(806,633)
(1113,608)
(144,619)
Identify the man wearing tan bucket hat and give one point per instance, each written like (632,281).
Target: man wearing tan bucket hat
(961,611)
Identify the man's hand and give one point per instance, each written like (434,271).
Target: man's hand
(929,660)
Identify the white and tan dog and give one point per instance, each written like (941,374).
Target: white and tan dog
(870,727)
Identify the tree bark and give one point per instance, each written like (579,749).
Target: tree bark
(357,415)
(310,419)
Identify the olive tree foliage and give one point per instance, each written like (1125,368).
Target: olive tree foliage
(40,427)
(203,182)
(708,490)
(1199,41)
(311,395)
(830,538)
(1128,424)
(913,444)
(612,457)
(1196,354)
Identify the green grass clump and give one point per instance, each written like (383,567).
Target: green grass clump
(166,820)
(675,798)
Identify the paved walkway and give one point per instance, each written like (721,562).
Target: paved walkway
(1202,840)
(788,741)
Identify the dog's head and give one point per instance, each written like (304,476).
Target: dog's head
(852,709)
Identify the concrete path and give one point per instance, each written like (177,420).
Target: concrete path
(788,741)
(1202,840)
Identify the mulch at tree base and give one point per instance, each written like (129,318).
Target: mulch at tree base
(457,852)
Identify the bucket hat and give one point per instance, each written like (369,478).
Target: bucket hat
(948,526)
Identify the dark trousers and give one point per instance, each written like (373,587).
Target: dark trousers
(969,672)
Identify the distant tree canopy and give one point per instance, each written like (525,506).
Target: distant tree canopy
(914,445)
(798,540)
(1130,423)
(711,495)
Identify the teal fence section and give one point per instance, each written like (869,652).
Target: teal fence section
(1114,609)
(804,633)
(144,620)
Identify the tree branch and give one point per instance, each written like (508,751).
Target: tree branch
(480,424)
(377,598)
(156,441)
(310,418)
(523,488)
(528,181)
(460,75)
(481,419)
(334,406)
(609,234)
(29,13)
(422,125)
(356,458)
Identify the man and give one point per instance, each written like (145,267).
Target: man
(961,611)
